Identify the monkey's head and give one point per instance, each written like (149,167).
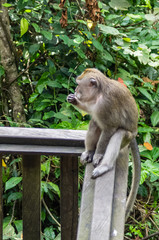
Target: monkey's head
(87,90)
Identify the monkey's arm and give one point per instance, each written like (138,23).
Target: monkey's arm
(112,151)
(91,140)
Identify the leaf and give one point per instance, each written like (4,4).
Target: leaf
(78,39)
(145,93)
(143,176)
(8,232)
(155,153)
(148,146)
(55,188)
(14,196)
(107,56)
(108,30)
(155,118)
(7,5)
(34,48)
(24,24)
(42,105)
(18,225)
(120,5)
(150,17)
(58,237)
(33,97)
(52,68)
(97,44)
(12,182)
(48,115)
(121,81)
(145,129)
(80,52)
(1,71)
(69,42)
(61,116)
(3,164)
(47,34)
(144,57)
(54,84)
(127,39)
(89,24)
(36,27)
(49,233)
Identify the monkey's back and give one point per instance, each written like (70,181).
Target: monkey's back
(117,107)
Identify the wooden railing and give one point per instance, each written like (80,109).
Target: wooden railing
(31,143)
(102,212)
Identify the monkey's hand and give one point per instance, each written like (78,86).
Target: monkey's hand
(97,158)
(71,98)
(86,157)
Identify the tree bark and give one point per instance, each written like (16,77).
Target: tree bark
(8,61)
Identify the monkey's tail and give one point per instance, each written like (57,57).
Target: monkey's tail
(135,178)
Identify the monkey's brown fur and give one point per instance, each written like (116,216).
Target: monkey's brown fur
(113,125)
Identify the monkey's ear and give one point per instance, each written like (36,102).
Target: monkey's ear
(93,82)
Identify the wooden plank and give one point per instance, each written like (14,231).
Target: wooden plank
(37,136)
(35,149)
(85,219)
(1,201)
(120,192)
(31,207)
(69,197)
(102,208)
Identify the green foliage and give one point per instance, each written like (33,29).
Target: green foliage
(123,45)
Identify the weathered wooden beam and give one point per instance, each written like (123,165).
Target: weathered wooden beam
(69,197)
(120,192)
(1,200)
(37,136)
(96,206)
(102,208)
(86,209)
(31,206)
(37,149)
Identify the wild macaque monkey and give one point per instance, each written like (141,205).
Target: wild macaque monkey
(113,125)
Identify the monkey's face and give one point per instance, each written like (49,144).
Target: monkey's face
(86,93)
(86,90)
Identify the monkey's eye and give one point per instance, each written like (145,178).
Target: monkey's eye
(93,82)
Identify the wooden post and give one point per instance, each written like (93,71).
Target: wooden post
(96,206)
(86,209)
(102,209)
(69,197)
(120,192)
(31,198)
(1,201)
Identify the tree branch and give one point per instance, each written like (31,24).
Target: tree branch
(21,73)
(47,209)
(150,236)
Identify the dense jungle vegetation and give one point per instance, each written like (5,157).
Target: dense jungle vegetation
(44,45)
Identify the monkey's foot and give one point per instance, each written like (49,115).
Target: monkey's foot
(98,171)
(97,158)
(86,157)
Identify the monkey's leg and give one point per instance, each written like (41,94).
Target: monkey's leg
(91,140)
(119,140)
(102,146)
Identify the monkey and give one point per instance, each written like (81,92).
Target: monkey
(113,124)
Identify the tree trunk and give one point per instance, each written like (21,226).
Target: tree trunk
(8,61)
